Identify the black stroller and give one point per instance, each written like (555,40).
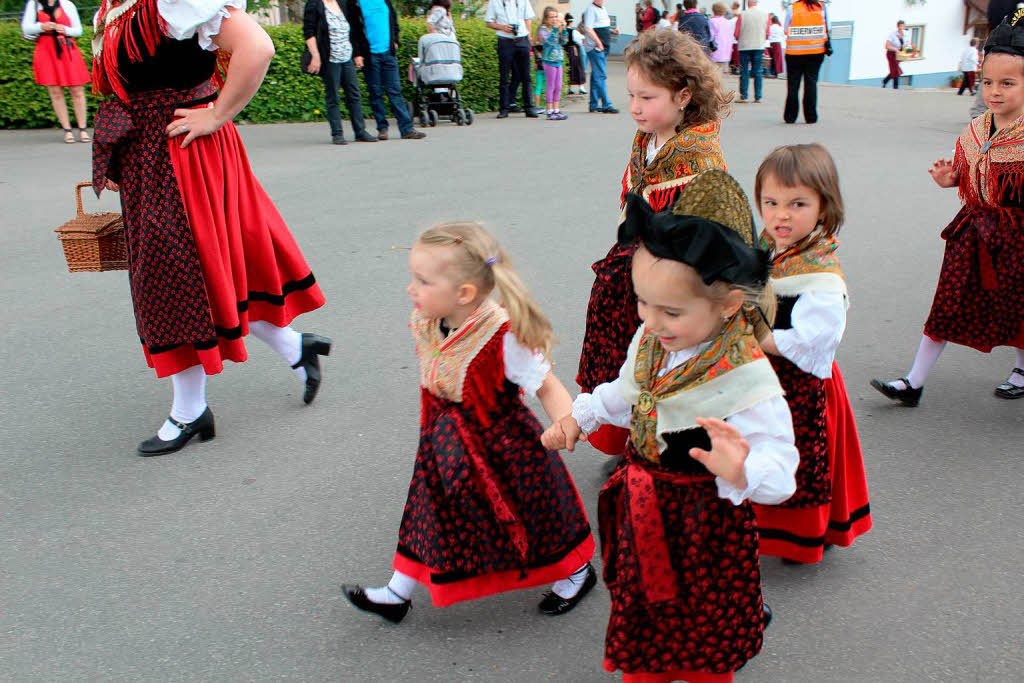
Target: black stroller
(436,73)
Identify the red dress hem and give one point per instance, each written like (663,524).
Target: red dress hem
(447,594)
(670,676)
(792,533)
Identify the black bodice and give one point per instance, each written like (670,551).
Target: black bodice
(784,312)
(677,456)
(175,64)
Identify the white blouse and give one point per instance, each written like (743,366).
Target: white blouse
(32,29)
(819,320)
(186,18)
(524,367)
(770,468)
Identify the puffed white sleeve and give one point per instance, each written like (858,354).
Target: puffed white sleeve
(819,320)
(524,367)
(186,18)
(771,465)
(75,29)
(30,28)
(604,406)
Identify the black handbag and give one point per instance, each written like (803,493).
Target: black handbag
(305,61)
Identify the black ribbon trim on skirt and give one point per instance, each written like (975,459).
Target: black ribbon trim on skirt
(232,333)
(456,575)
(788,537)
(858,514)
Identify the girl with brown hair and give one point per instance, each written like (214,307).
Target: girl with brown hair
(677,102)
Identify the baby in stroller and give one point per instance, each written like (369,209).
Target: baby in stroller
(436,73)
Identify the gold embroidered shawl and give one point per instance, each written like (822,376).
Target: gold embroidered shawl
(445,360)
(729,376)
(809,265)
(689,152)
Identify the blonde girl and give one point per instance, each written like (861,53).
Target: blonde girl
(489,509)
(552,35)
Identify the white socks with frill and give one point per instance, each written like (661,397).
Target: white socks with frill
(568,587)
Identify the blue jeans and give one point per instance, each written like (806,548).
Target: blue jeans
(381,73)
(598,76)
(583,63)
(750,60)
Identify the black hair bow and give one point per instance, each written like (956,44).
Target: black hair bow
(1006,39)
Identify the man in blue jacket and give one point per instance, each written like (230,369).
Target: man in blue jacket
(374,34)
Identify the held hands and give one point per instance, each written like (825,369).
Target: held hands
(358,61)
(942,173)
(728,452)
(194,123)
(563,434)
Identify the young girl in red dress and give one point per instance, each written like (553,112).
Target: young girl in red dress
(489,508)
(979,301)
(57,63)
(797,193)
(677,101)
(209,257)
(709,433)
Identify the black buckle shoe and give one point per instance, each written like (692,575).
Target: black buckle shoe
(393,613)
(554,604)
(203,426)
(909,397)
(1010,391)
(313,346)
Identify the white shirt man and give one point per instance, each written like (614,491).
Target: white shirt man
(510,14)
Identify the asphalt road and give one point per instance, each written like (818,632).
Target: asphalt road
(223,562)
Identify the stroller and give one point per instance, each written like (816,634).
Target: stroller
(436,72)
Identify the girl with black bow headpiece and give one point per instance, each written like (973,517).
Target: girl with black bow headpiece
(709,433)
(979,300)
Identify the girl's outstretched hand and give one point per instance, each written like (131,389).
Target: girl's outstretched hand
(942,173)
(728,452)
(563,434)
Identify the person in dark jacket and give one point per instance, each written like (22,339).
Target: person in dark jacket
(327,32)
(696,24)
(374,34)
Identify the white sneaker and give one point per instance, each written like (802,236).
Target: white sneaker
(583,91)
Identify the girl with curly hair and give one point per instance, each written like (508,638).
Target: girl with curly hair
(677,101)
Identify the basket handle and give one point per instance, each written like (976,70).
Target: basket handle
(78,196)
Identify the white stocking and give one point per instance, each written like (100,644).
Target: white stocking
(568,587)
(189,400)
(1016,379)
(928,351)
(285,341)
(398,590)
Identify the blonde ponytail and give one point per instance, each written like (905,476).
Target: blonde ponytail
(478,258)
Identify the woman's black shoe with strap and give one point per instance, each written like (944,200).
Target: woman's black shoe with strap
(313,346)
(203,426)
(392,612)
(1008,390)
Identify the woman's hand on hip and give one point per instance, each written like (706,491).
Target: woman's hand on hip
(194,123)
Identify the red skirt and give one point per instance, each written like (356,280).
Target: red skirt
(252,267)
(979,299)
(849,515)
(778,63)
(66,70)
(489,509)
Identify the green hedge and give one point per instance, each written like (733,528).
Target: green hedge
(287,94)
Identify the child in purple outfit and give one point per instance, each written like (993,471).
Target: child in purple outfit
(552,36)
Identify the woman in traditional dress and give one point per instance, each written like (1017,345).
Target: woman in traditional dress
(57,62)
(209,257)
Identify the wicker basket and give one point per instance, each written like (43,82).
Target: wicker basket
(93,241)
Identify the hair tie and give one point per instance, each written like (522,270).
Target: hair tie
(491,261)
(458,239)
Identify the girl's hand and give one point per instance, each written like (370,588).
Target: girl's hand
(111,185)
(359,61)
(314,64)
(572,432)
(728,452)
(942,173)
(194,123)
(553,437)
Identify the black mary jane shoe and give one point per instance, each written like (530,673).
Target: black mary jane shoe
(767,612)
(909,397)
(1010,391)
(313,346)
(203,426)
(393,613)
(554,605)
